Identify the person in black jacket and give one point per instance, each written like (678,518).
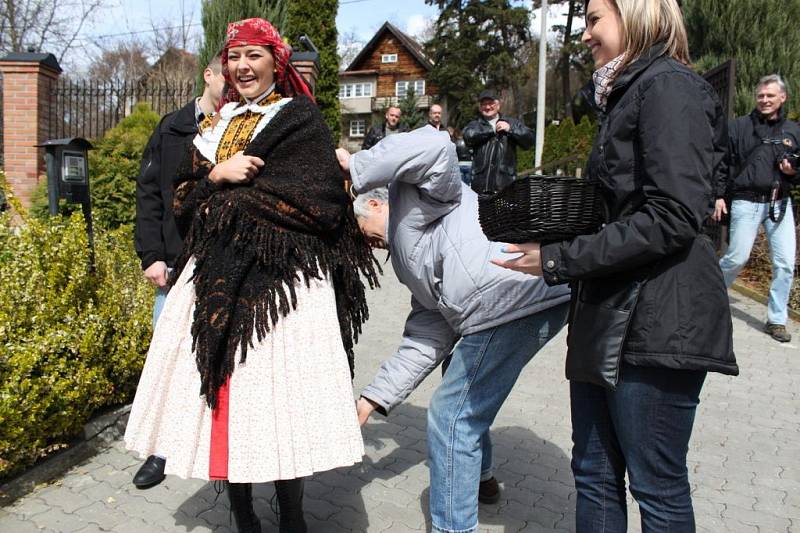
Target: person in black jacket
(493,139)
(390,126)
(759,179)
(156,236)
(649,312)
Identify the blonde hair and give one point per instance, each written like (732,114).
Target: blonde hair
(647,22)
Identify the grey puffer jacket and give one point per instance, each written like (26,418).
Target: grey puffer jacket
(440,253)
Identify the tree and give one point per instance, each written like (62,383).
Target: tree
(43,25)
(217,14)
(317,20)
(171,34)
(760,34)
(114,161)
(476,44)
(412,116)
(124,62)
(349,46)
(574,63)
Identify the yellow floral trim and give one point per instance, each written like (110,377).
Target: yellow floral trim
(206,123)
(239,131)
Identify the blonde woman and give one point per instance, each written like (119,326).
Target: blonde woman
(650,312)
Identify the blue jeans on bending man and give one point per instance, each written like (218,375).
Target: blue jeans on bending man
(481,374)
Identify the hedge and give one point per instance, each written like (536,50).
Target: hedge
(562,140)
(72,340)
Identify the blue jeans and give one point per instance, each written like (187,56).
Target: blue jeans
(746,217)
(465,168)
(158,306)
(483,369)
(487,464)
(643,427)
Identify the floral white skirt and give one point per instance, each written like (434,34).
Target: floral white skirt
(290,406)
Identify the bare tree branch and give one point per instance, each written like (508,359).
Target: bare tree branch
(45,25)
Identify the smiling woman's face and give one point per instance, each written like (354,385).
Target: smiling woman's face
(251,69)
(603,32)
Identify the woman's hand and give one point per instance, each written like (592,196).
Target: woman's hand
(530,262)
(238,169)
(720,209)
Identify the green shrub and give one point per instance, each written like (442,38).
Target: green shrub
(72,340)
(113,167)
(560,141)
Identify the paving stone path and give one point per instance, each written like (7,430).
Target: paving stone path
(744,458)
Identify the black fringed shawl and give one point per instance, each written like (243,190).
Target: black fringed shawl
(252,243)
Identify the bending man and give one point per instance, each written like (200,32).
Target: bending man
(428,220)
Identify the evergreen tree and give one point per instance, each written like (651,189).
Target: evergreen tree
(412,116)
(317,19)
(573,55)
(217,14)
(476,44)
(761,34)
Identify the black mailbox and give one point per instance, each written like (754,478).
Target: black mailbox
(68,177)
(67,171)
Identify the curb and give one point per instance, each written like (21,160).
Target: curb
(760,298)
(98,434)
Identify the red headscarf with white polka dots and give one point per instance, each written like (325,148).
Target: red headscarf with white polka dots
(259,32)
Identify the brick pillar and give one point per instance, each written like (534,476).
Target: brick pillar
(307,64)
(27,78)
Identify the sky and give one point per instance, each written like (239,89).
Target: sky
(124,19)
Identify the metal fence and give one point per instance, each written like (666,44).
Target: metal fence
(723,79)
(88,109)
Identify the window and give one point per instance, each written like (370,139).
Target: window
(355,90)
(388,58)
(358,127)
(402,87)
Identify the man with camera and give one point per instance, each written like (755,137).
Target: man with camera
(763,162)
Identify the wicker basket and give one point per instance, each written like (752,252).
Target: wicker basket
(542,209)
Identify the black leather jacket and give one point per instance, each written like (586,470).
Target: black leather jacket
(655,157)
(494,160)
(377,133)
(755,146)
(462,150)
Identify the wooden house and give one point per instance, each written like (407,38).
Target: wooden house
(379,76)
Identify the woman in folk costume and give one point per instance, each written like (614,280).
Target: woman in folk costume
(252,381)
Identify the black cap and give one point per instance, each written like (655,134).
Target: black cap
(488,93)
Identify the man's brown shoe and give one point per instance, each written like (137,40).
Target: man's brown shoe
(778,332)
(489,491)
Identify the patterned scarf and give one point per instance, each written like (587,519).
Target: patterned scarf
(259,32)
(254,243)
(604,80)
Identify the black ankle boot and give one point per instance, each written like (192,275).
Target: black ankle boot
(290,505)
(241,498)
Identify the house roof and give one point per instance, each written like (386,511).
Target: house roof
(358,72)
(408,42)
